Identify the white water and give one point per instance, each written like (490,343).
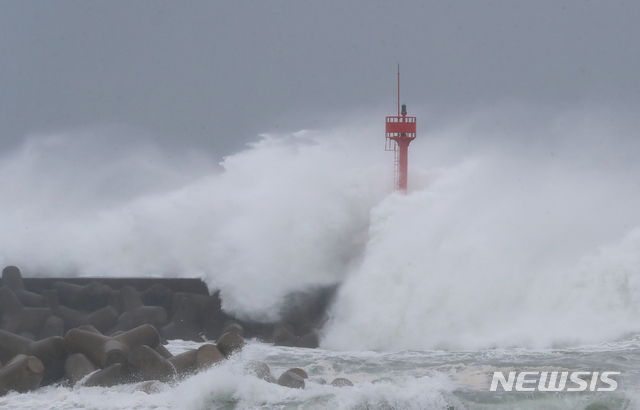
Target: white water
(531,241)
(284,214)
(521,227)
(409,380)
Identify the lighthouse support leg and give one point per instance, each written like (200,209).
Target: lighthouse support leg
(403,160)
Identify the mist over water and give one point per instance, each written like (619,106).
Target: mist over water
(521,227)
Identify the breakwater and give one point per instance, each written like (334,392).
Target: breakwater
(104,332)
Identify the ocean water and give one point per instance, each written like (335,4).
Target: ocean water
(405,379)
(516,247)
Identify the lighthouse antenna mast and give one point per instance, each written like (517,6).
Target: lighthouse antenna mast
(398,89)
(400,131)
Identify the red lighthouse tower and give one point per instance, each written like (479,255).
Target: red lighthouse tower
(401,130)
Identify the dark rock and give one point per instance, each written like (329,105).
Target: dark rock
(203,304)
(152,315)
(282,336)
(53,326)
(28,335)
(78,366)
(16,318)
(102,319)
(128,299)
(53,301)
(341,382)
(185,363)
(29,320)
(158,295)
(232,326)
(307,309)
(163,351)
(110,376)
(229,343)
(16,359)
(184,324)
(93,296)
(21,374)
(89,328)
(101,350)
(9,302)
(50,351)
(208,355)
(113,299)
(31,299)
(305,328)
(310,340)
(12,278)
(213,317)
(174,331)
(260,370)
(149,365)
(142,335)
(150,387)
(67,293)
(291,379)
(299,372)
(89,297)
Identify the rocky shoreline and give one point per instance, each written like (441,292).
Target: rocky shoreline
(114,331)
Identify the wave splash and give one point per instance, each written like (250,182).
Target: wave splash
(520,228)
(533,241)
(287,214)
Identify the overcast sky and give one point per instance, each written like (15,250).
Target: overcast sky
(214,74)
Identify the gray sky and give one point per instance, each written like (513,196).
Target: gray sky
(214,74)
